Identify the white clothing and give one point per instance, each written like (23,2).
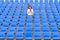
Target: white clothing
(30,12)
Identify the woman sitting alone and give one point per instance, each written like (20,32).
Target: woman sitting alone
(30,10)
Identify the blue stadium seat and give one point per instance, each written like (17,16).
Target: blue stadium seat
(54,30)
(0,1)
(41,2)
(37,35)
(56,36)
(1,20)
(29,25)
(16,1)
(8,19)
(31,2)
(51,2)
(28,30)
(37,21)
(19,35)
(21,29)
(13,24)
(1,35)
(10,35)
(29,19)
(11,1)
(45,30)
(58,19)
(56,2)
(46,2)
(28,35)
(3,29)
(21,25)
(47,35)
(12,29)
(37,29)
(36,5)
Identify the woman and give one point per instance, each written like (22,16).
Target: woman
(30,10)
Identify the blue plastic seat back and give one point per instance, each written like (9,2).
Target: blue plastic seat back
(11,1)
(56,1)
(36,1)
(51,1)
(0,2)
(21,1)
(41,1)
(46,2)
(16,1)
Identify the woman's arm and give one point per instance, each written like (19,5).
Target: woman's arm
(28,11)
(32,11)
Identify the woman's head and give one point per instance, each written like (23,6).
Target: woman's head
(29,7)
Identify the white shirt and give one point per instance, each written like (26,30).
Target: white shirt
(30,12)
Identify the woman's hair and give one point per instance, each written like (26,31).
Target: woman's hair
(29,6)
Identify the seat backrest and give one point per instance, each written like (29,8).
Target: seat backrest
(51,1)
(56,1)
(16,1)
(41,1)
(25,1)
(1,1)
(46,1)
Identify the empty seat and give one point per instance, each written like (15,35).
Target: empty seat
(56,36)
(21,29)
(21,25)
(28,30)
(54,30)
(4,29)
(47,35)
(19,35)
(37,35)
(28,36)
(12,29)
(13,24)
(2,35)
(10,35)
